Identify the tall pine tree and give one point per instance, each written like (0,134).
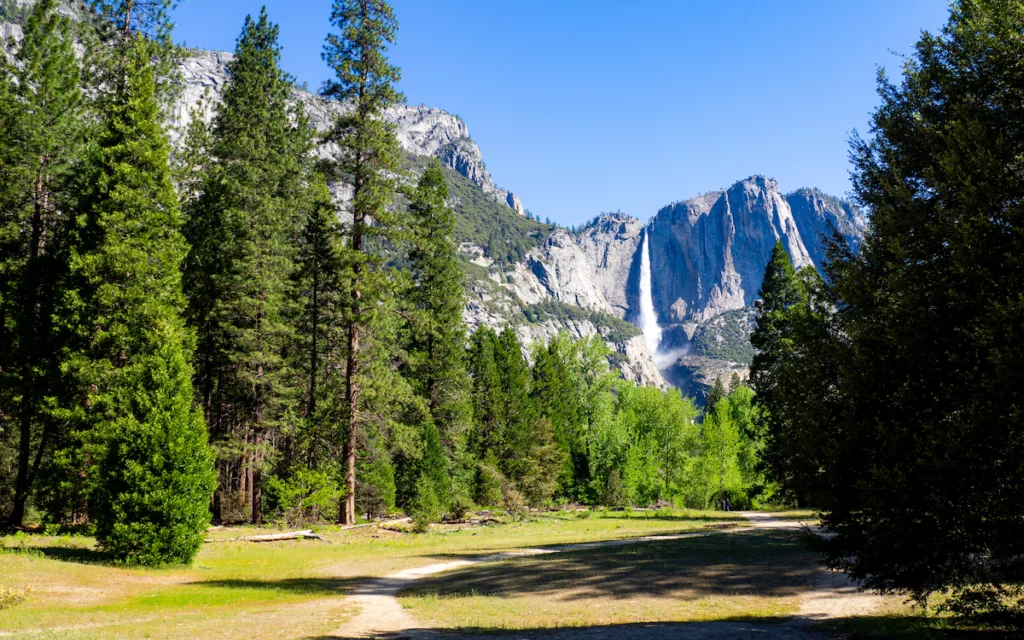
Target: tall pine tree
(43,119)
(437,355)
(154,475)
(243,230)
(367,160)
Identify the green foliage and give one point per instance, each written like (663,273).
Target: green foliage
(156,477)
(488,482)
(308,496)
(726,337)
(240,270)
(42,117)
(891,395)
(424,507)
(436,355)
(368,158)
(611,328)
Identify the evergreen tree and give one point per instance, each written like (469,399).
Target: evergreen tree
(438,350)
(554,396)
(135,410)
(42,119)
(157,476)
(368,158)
(243,230)
(515,411)
(483,370)
(925,466)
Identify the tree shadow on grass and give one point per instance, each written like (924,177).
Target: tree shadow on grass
(79,555)
(736,628)
(755,563)
(305,586)
(740,628)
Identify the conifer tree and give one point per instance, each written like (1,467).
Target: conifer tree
(154,476)
(243,230)
(367,160)
(485,435)
(515,412)
(438,350)
(42,119)
(926,461)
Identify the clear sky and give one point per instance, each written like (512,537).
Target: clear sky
(603,105)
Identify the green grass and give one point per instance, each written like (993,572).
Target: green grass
(272,590)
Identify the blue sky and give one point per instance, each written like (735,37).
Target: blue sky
(603,105)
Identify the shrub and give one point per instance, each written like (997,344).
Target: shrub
(10,596)
(307,496)
(513,502)
(488,483)
(461,504)
(424,508)
(614,493)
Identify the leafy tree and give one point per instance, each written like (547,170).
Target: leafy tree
(42,115)
(243,229)
(924,471)
(368,158)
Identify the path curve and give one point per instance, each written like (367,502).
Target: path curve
(381,614)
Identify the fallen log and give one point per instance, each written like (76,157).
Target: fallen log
(275,537)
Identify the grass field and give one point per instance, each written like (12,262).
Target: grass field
(754,574)
(272,590)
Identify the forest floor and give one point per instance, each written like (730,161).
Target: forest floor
(566,575)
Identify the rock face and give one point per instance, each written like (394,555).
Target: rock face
(708,254)
(818,215)
(421,130)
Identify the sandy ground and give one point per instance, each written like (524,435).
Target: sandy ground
(381,616)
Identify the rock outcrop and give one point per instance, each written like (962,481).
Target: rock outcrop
(421,130)
(708,254)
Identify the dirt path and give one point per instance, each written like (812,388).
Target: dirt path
(381,614)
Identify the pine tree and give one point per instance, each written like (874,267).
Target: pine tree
(243,230)
(154,471)
(368,158)
(926,461)
(42,117)
(485,435)
(438,350)
(157,476)
(515,411)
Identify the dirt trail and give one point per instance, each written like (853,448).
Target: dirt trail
(833,595)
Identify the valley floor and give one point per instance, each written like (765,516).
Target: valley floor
(665,574)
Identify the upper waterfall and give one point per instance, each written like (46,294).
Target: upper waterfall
(648,317)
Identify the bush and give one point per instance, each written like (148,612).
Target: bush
(10,596)
(614,493)
(513,502)
(488,483)
(461,505)
(424,508)
(308,496)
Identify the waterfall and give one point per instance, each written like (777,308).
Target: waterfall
(648,317)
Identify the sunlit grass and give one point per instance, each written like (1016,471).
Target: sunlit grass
(272,590)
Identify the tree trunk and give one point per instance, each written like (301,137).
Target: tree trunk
(257,494)
(347,515)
